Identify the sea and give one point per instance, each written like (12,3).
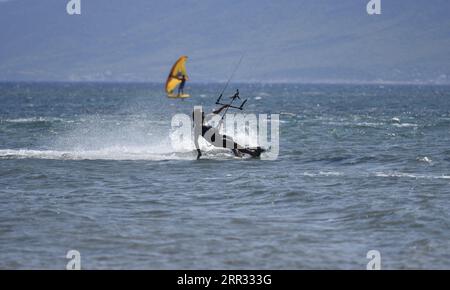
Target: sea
(92,168)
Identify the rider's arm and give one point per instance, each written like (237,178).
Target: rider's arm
(220,109)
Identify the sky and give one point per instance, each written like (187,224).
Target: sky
(281,40)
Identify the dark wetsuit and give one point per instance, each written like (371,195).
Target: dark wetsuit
(181,86)
(212,139)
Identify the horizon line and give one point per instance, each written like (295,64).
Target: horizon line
(275,82)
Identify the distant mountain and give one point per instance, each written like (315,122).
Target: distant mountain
(306,41)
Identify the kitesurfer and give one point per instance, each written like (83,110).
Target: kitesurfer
(181,86)
(177,77)
(209,133)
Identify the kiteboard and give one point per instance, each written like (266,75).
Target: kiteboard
(178,96)
(256,151)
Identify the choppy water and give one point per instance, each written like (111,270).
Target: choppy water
(90,167)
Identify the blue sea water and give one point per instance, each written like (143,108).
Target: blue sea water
(90,167)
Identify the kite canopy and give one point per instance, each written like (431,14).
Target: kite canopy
(176,74)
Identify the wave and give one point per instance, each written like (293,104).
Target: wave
(34,120)
(425,159)
(323,173)
(392,174)
(113,153)
(395,174)
(103,154)
(355,124)
(370,124)
(403,125)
